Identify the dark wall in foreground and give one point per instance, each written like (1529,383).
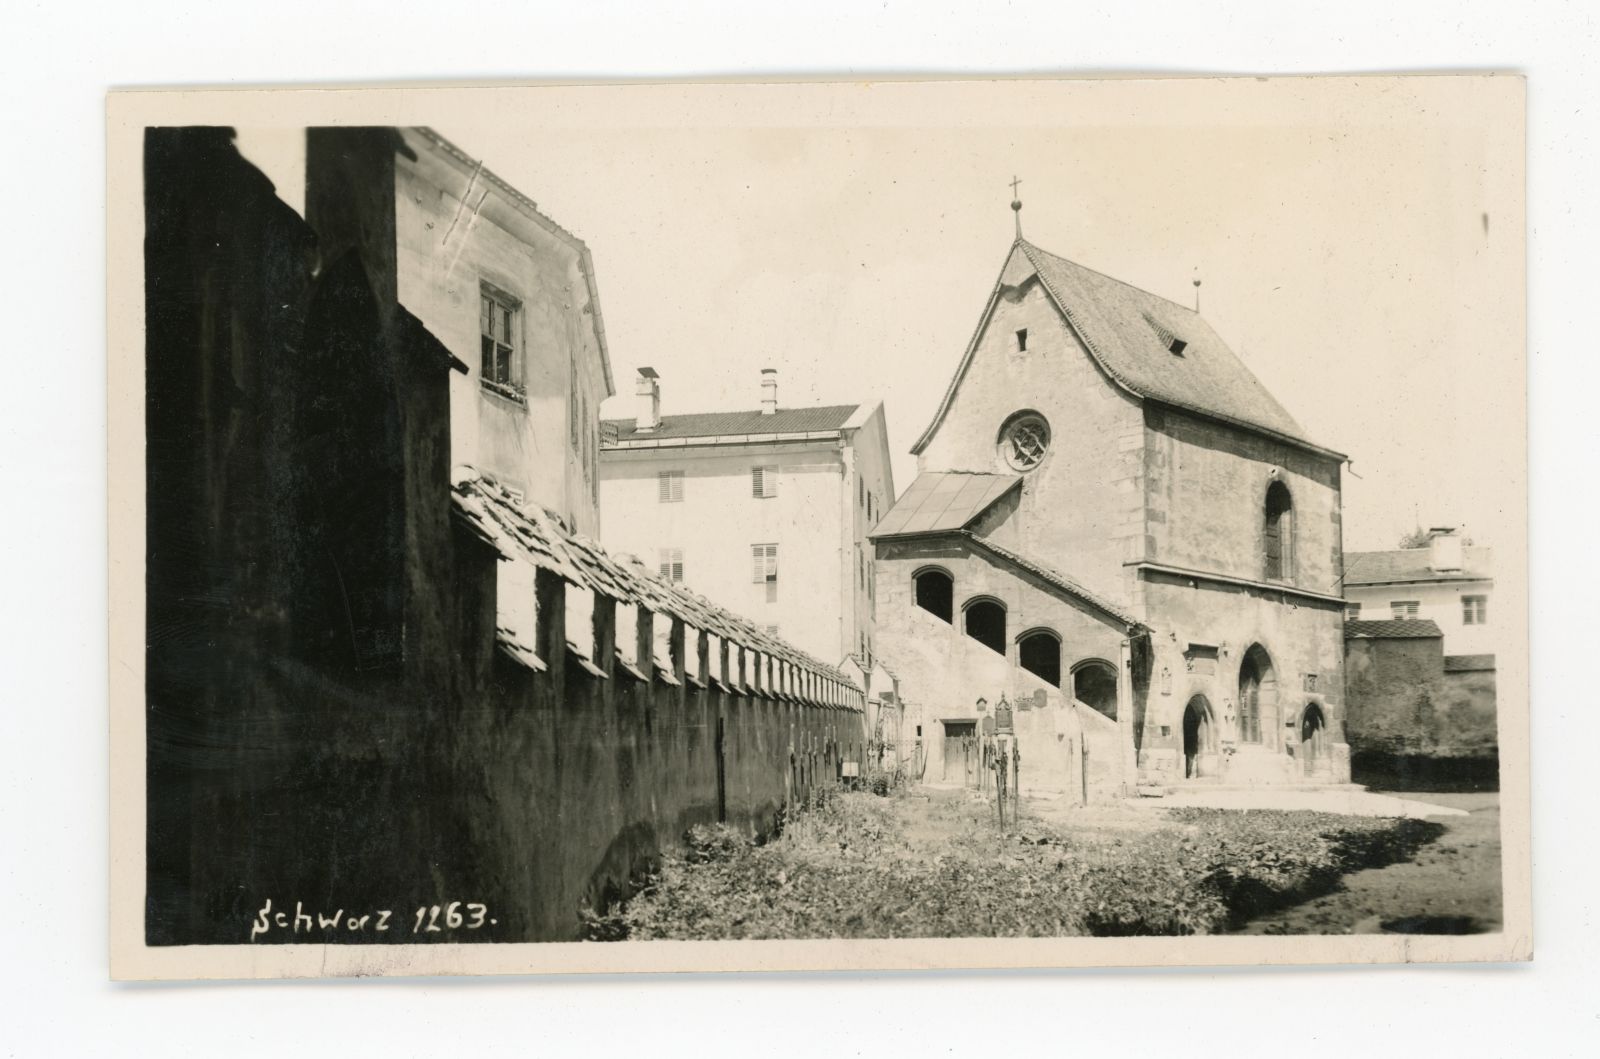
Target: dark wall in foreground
(332,726)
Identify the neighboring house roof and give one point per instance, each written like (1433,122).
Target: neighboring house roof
(943,500)
(861,664)
(1411,564)
(734,425)
(1130,331)
(1392,629)
(1468,663)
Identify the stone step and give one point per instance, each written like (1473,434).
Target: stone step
(1209,786)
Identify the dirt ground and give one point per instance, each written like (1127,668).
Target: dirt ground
(1452,887)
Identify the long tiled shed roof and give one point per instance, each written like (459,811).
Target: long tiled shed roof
(721,424)
(1130,331)
(1392,629)
(527,532)
(1056,578)
(1411,564)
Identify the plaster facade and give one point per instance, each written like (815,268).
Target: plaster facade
(458,231)
(1439,602)
(817,516)
(948,671)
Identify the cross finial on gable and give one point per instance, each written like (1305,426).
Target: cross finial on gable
(1016,204)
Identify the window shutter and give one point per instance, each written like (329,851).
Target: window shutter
(671,565)
(764,563)
(758,485)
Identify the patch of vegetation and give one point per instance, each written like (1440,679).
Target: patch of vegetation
(859,866)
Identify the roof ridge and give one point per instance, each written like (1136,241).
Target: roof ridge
(1113,279)
(743,411)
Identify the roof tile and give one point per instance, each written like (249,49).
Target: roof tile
(1392,629)
(528,533)
(1411,564)
(1130,331)
(1468,663)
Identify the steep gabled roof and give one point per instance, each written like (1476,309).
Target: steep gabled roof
(1401,565)
(734,424)
(943,500)
(1154,348)
(1392,629)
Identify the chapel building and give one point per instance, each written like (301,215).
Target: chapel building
(1119,532)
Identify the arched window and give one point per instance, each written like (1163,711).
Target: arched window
(1094,683)
(935,592)
(1279,533)
(986,622)
(1039,652)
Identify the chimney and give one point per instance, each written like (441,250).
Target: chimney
(648,389)
(769,391)
(1444,548)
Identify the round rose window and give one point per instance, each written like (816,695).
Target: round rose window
(1024,440)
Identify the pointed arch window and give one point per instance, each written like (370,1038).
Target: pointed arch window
(1278,533)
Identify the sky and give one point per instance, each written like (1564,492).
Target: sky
(1359,242)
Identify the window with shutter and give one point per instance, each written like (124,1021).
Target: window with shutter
(764,559)
(671,565)
(763,482)
(669,486)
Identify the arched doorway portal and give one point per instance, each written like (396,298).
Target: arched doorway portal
(1199,740)
(1314,752)
(1258,698)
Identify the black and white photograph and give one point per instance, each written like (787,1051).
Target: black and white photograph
(846,525)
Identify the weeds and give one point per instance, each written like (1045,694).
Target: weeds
(851,865)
